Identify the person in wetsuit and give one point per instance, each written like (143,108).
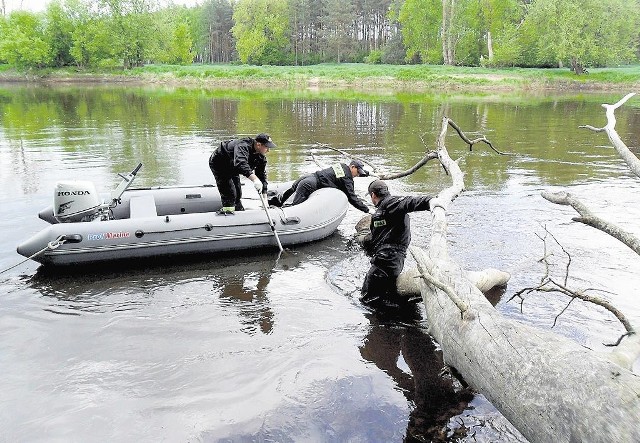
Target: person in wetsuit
(387,242)
(246,156)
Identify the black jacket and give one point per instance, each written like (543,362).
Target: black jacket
(390,227)
(236,157)
(339,176)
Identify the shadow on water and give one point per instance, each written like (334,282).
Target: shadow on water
(398,336)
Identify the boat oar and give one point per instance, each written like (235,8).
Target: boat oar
(271,222)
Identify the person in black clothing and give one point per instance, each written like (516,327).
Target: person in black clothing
(339,176)
(387,242)
(246,156)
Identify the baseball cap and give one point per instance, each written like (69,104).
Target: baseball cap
(265,139)
(360,167)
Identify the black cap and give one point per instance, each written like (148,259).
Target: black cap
(379,188)
(265,139)
(360,167)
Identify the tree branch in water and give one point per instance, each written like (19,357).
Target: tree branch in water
(548,284)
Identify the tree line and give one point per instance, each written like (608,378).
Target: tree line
(500,33)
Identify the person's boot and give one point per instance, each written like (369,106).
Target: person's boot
(227,210)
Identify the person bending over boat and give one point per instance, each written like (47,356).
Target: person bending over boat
(387,243)
(339,176)
(246,156)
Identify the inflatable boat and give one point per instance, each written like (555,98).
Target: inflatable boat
(145,223)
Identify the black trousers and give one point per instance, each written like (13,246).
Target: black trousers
(379,286)
(305,188)
(229,187)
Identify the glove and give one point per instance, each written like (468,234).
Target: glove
(258,185)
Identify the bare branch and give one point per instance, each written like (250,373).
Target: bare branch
(423,161)
(597,301)
(566,274)
(477,350)
(344,153)
(429,155)
(588,218)
(555,320)
(426,276)
(623,151)
(548,284)
(316,161)
(482,139)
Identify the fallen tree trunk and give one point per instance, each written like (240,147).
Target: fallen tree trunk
(549,387)
(408,283)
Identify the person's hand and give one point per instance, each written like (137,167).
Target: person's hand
(257,184)
(436,202)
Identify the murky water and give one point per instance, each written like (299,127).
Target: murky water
(250,347)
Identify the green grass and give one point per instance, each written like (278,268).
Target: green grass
(364,75)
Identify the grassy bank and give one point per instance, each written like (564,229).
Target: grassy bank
(359,76)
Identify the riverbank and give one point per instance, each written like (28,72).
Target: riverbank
(348,76)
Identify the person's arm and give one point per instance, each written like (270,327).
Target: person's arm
(409,204)
(261,173)
(355,201)
(241,159)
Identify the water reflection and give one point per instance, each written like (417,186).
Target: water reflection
(237,282)
(249,293)
(126,125)
(399,337)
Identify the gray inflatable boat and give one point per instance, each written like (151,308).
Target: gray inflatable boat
(166,221)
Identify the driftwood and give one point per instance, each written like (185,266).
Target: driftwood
(549,387)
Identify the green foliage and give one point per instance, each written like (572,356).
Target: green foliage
(92,43)
(581,32)
(393,52)
(214,41)
(261,29)
(172,42)
(59,33)
(181,47)
(491,33)
(420,21)
(338,32)
(374,57)
(507,49)
(23,42)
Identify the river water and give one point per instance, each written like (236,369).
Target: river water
(251,347)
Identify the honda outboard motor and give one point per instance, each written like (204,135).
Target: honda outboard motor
(75,201)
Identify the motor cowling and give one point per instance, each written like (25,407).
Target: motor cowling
(75,201)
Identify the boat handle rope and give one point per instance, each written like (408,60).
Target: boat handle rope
(287,220)
(207,227)
(54,244)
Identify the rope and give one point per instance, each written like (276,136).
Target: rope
(51,245)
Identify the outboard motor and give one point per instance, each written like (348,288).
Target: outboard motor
(75,201)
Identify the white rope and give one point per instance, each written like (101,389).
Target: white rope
(51,245)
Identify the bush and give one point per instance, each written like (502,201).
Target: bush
(374,57)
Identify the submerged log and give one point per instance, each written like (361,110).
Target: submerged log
(548,386)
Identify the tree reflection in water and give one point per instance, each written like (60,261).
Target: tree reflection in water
(399,334)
